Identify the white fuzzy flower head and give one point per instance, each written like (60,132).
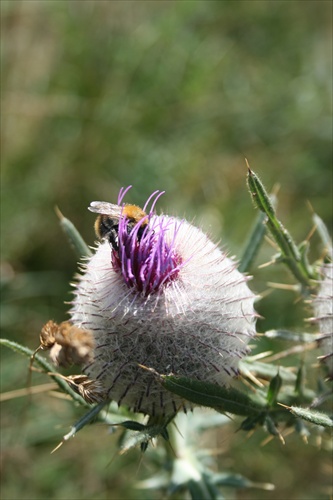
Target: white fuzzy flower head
(166,297)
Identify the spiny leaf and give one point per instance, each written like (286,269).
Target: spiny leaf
(313,416)
(273,389)
(222,399)
(290,253)
(132,425)
(299,385)
(82,422)
(253,244)
(323,233)
(239,481)
(74,237)
(290,336)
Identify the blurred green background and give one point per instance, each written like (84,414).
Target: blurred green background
(161,95)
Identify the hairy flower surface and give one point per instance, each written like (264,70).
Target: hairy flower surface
(323,307)
(165,297)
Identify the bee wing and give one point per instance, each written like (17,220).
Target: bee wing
(105,208)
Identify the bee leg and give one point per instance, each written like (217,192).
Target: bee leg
(113,238)
(140,232)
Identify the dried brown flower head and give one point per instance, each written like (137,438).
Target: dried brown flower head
(68,344)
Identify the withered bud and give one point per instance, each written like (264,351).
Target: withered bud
(69,344)
(47,334)
(92,391)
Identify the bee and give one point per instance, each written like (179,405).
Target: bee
(107,222)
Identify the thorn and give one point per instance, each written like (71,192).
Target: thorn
(283,286)
(282,441)
(310,207)
(248,166)
(305,439)
(266,264)
(151,370)
(311,233)
(267,440)
(250,376)
(57,447)
(112,459)
(261,355)
(59,213)
(284,406)
(263,295)
(271,243)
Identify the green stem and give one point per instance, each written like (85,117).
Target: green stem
(14,346)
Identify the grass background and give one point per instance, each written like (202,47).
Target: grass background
(161,95)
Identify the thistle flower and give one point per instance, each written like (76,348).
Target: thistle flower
(323,308)
(162,295)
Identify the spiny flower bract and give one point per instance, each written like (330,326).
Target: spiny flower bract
(170,300)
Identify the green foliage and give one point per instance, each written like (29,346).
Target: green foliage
(263,407)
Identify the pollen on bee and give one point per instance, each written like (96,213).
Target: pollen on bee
(134,213)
